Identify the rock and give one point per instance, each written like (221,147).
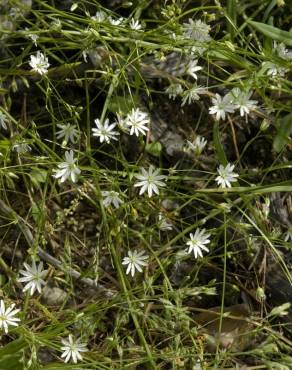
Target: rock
(235,330)
(54,296)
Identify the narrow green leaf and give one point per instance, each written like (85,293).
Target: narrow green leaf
(273,32)
(218,146)
(284,131)
(232,17)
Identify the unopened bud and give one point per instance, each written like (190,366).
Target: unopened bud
(264,125)
(260,294)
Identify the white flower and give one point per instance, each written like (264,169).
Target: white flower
(111,197)
(115,22)
(274,69)
(150,181)
(197,242)
(68,132)
(134,261)
(282,51)
(191,95)
(198,145)
(121,122)
(39,63)
(135,25)
(32,36)
(3,120)
(221,106)
(100,16)
(198,50)
(174,90)
(33,276)
(197,366)
(7,316)
(226,175)
(68,168)
(21,147)
(196,30)
(72,349)
(192,68)
(137,121)
(241,100)
(104,131)
(163,223)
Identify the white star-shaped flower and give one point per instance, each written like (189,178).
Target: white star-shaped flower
(150,181)
(39,63)
(242,102)
(135,24)
(104,131)
(134,261)
(7,316)
(226,175)
(192,68)
(197,30)
(67,168)
(33,277)
(198,145)
(191,95)
(197,242)
(221,106)
(68,132)
(174,90)
(111,197)
(274,70)
(72,349)
(137,121)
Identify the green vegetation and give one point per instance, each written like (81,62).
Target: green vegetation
(145,198)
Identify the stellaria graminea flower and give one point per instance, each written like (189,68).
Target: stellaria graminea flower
(198,145)
(197,30)
(39,63)
(115,22)
(281,50)
(274,70)
(100,16)
(67,168)
(241,100)
(192,68)
(134,261)
(226,175)
(68,132)
(163,223)
(137,121)
(174,90)
(32,36)
(72,349)
(135,24)
(197,242)
(189,96)
(221,106)
(111,197)
(33,277)
(149,181)
(21,146)
(104,131)
(7,316)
